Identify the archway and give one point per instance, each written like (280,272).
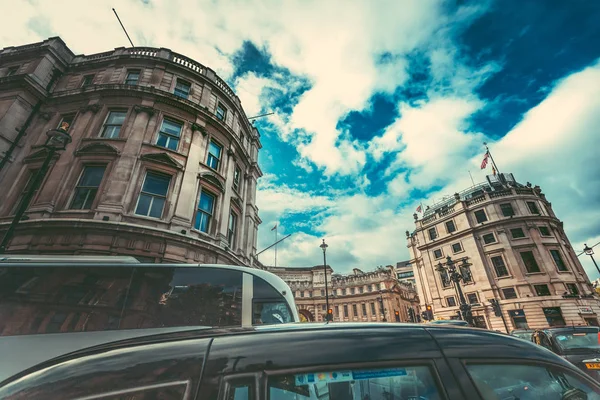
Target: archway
(305,316)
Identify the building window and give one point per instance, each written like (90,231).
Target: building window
(345,310)
(182,89)
(302,294)
(323,307)
(214,155)
(560,264)
(344,291)
(509,293)
(87,187)
(445,278)
(554,316)
(450,227)
(542,290)
(507,209)
(361,289)
(451,301)
(544,231)
(236,178)
(531,264)
(206,207)
(310,293)
(232,229)
(432,233)
(373,312)
(66,121)
(12,70)
(517,233)
(221,111)
(112,125)
(30,178)
(153,195)
(169,134)
(87,80)
(352,290)
(457,248)
(133,76)
(480,216)
(438,253)
(489,238)
(322,292)
(466,273)
(364,309)
(499,266)
(337,311)
(533,208)
(572,288)
(472,298)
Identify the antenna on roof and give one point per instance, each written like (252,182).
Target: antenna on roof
(124,30)
(260,116)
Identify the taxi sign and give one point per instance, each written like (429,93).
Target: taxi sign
(592,365)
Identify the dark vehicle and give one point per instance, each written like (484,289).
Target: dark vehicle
(309,361)
(455,322)
(523,333)
(578,344)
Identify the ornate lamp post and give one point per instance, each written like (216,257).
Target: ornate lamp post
(590,252)
(324,247)
(57,140)
(456,276)
(381,304)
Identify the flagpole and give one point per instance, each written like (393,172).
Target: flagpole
(276,229)
(491,158)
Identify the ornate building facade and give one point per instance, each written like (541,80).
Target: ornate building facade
(357,297)
(517,253)
(162,163)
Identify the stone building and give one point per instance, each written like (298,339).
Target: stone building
(357,297)
(162,163)
(518,254)
(405,272)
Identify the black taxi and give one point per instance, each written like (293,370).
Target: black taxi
(309,361)
(578,344)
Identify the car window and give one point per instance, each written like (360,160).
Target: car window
(578,340)
(528,382)
(410,382)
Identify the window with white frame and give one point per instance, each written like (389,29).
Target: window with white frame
(169,134)
(214,155)
(182,89)
(221,111)
(206,207)
(112,125)
(153,196)
(87,187)
(133,76)
(231,230)
(236,178)
(87,80)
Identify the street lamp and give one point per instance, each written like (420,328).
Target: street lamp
(456,277)
(381,304)
(590,252)
(57,140)
(324,247)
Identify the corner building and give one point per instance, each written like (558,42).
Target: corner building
(357,297)
(162,163)
(518,253)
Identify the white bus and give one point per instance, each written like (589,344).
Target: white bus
(51,305)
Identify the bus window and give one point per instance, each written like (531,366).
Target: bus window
(269,306)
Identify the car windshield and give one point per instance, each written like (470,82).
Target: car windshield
(523,335)
(578,340)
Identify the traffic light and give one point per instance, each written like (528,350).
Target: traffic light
(496,307)
(429,312)
(397,314)
(329,315)
(411,315)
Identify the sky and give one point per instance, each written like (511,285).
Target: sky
(378,106)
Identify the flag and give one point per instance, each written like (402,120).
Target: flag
(419,208)
(273,228)
(485,160)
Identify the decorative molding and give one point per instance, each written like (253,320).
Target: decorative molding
(147,109)
(214,180)
(91,107)
(237,202)
(199,128)
(93,149)
(230,152)
(162,158)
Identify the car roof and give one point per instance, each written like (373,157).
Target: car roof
(566,329)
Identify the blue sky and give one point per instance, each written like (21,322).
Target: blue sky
(380,108)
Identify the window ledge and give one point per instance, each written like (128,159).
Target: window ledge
(521,238)
(505,277)
(203,235)
(535,273)
(154,145)
(102,139)
(145,217)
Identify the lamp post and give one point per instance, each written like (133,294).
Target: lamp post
(456,277)
(590,252)
(324,247)
(57,140)
(381,304)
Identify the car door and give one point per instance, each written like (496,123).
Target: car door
(166,370)
(334,364)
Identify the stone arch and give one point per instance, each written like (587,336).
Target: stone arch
(305,316)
